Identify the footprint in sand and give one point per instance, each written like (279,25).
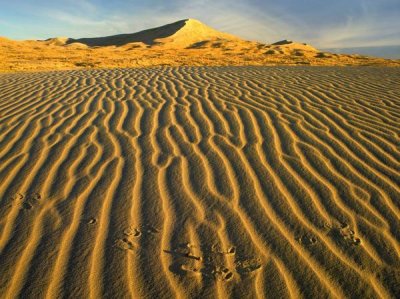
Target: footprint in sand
(150,229)
(248,266)
(132,232)
(92,221)
(36,196)
(189,270)
(345,234)
(230,251)
(27,206)
(29,201)
(221,273)
(18,196)
(184,250)
(307,240)
(212,264)
(124,244)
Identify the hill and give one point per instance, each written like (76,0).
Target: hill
(179,34)
(186,42)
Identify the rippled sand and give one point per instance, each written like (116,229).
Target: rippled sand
(200,182)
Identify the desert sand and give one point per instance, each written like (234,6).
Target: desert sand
(200,182)
(184,43)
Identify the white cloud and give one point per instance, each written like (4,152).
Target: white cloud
(365,31)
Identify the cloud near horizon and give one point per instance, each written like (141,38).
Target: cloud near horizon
(342,23)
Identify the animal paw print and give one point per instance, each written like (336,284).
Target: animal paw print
(248,266)
(190,270)
(214,264)
(132,232)
(307,240)
(27,202)
(348,234)
(127,242)
(345,234)
(230,251)
(124,244)
(149,229)
(92,221)
(184,250)
(222,273)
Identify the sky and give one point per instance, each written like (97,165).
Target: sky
(324,24)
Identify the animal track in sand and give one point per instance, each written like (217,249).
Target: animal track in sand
(222,273)
(147,228)
(124,244)
(248,266)
(190,269)
(144,230)
(127,241)
(216,272)
(27,206)
(132,232)
(92,221)
(230,251)
(248,158)
(184,250)
(307,240)
(344,234)
(27,202)
(212,263)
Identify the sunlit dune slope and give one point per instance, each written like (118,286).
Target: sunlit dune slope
(179,34)
(184,43)
(198,182)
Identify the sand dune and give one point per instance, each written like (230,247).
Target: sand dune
(242,182)
(184,43)
(180,34)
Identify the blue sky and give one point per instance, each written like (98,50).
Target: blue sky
(335,23)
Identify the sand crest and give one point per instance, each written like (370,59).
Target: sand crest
(184,43)
(242,182)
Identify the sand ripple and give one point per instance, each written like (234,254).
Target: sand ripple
(199,182)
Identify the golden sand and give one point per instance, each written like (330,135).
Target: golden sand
(184,43)
(198,182)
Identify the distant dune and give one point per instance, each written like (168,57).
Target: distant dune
(199,182)
(390,52)
(186,42)
(179,34)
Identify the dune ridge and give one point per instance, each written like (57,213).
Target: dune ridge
(184,43)
(242,182)
(180,34)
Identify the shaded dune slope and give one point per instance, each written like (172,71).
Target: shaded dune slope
(183,32)
(146,36)
(200,182)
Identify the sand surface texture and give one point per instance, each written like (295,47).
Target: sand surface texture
(202,182)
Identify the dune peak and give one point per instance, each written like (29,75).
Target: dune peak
(194,31)
(184,42)
(178,34)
